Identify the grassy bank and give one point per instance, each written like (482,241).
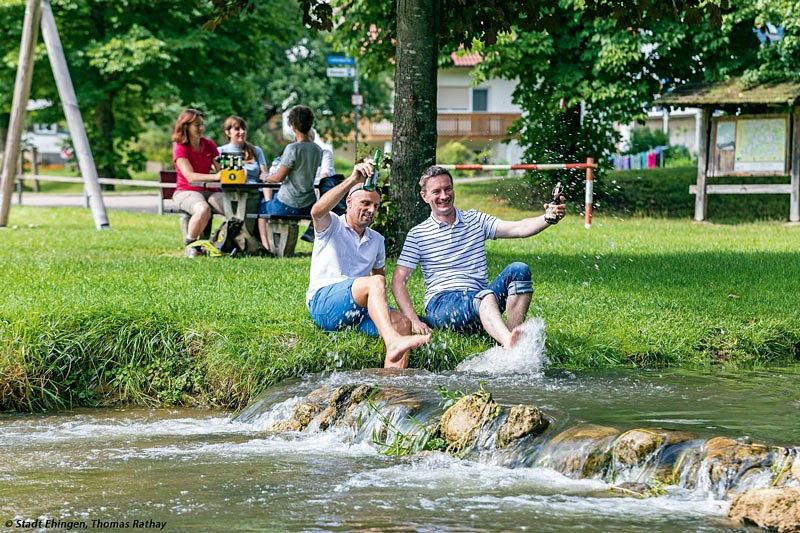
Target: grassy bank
(90,317)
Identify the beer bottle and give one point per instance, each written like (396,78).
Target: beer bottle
(550,214)
(372,181)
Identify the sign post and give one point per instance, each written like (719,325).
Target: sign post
(345,67)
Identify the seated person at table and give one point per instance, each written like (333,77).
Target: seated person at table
(323,182)
(255,165)
(296,173)
(194,156)
(347,286)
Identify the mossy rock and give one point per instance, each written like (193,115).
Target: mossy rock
(728,458)
(634,446)
(462,421)
(582,451)
(522,420)
(302,415)
(773,508)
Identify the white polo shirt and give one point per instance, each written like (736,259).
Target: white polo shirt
(340,254)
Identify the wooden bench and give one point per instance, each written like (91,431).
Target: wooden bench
(165,193)
(282,232)
(168,177)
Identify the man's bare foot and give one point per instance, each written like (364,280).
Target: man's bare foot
(516,335)
(397,348)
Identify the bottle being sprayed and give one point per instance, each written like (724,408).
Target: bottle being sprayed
(550,214)
(371,182)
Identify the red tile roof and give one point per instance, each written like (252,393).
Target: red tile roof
(465,60)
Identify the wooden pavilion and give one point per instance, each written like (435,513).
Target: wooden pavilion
(745,131)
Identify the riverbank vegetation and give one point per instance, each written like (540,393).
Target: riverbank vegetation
(93,317)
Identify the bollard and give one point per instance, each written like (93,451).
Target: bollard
(589,192)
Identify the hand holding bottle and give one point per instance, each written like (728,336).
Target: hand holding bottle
(554,210)
(371,183)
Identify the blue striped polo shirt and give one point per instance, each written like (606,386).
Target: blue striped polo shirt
(452,258)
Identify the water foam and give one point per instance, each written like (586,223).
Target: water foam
(527,357)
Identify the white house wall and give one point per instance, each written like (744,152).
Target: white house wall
(455,96)
(499,92)
(682,129)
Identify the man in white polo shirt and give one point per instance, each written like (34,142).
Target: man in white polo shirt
(449,246)
(347,285)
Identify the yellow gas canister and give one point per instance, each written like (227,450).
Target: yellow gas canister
(230,176)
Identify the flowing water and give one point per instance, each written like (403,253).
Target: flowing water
(188,470)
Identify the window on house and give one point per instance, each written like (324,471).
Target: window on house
(480,99)
(45,129)
(453,98)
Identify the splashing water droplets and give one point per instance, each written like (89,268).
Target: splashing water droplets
(528,356)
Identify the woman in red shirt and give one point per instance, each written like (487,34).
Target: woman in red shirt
(194,156)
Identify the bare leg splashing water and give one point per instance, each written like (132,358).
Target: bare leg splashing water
(526,355)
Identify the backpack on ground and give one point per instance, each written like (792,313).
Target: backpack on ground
(232,237)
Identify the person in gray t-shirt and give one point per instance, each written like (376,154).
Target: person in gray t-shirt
(296,173)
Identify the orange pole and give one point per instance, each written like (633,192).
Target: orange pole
(589,192)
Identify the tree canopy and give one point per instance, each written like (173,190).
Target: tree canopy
(576,82)
(136,62)
(592,55)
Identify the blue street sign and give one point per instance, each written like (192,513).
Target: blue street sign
(341,72)
(341,60)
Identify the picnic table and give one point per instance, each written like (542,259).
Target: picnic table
(241,201)
(282,230)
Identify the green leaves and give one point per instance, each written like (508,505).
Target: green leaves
(128,53)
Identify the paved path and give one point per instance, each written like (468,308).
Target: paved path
(142,203)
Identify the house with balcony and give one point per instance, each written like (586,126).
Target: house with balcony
(476,116)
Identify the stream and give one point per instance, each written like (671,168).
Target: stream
(194,470)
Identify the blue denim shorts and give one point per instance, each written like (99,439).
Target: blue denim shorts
(458,309)
(276,207)
(333,308)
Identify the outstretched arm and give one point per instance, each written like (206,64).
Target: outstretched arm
(403,299)
(321,210)
(507,229)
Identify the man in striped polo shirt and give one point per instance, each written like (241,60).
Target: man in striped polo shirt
(449,246)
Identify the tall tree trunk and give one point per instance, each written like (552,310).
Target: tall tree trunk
(103,138)
(102,134)
(414,136)
(3,134)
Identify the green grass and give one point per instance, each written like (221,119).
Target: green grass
(93,317)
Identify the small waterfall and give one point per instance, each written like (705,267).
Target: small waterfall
(641,461)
